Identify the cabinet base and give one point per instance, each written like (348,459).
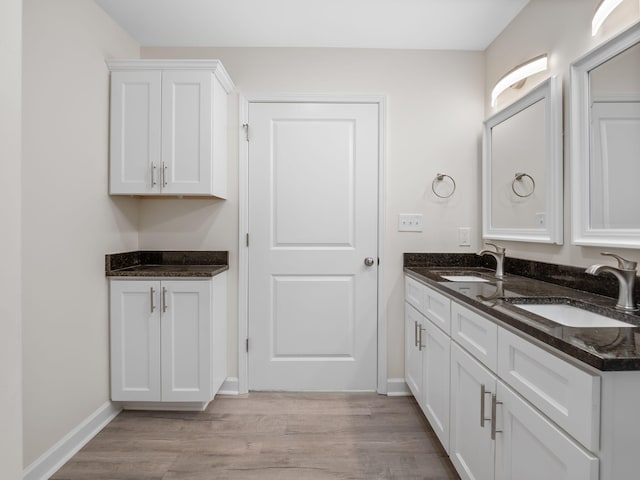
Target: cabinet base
(169,406)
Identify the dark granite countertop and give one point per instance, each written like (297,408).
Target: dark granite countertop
(607,349)
(157,263)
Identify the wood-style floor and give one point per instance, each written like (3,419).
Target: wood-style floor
(268,436)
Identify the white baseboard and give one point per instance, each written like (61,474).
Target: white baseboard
(231,386)
(397,387)
(51,460)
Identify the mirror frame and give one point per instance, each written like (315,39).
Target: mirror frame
(581,231)
(551,90)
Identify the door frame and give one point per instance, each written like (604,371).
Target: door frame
(243,222)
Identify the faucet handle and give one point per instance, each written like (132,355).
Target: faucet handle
(499,249)
(623,263)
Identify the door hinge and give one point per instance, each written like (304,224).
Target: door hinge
(247,344)
(246,131)
(247,239)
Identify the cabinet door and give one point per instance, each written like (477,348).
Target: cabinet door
(186,132)
(471,448)
(530,447)
(135,340)
(412,353)
(186,341)
(435,381)
(135,133)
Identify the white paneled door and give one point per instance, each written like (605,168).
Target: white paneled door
(313,251)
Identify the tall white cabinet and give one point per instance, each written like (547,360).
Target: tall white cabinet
(168,340)
(168,127)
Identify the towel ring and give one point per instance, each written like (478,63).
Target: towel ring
(440,178)
(518,178)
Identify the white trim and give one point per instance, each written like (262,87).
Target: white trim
(397,387)
(551,91)
(230,387)
(215,66)
(166,406)
(581,231)
(243,251)
(243,222)
(54,458)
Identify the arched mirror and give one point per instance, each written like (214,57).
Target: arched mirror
(605,148)
(522,168)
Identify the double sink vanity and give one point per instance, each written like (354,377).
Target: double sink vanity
(533,371)
(523,376)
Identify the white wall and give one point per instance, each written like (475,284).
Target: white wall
(434,118)
(10,272)
(69,221)
(563,30)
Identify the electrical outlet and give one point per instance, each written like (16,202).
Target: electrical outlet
(464,236)
(409,222)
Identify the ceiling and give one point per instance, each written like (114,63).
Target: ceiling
(407,24)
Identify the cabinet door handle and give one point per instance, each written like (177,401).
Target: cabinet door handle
(483,393)
(152,294)
(494,408)
(420,345)
(164,299)
(415,332)
(164,174)
(153,174)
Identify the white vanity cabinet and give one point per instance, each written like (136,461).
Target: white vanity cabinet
(427,354)
(413,350)
(168,340)
(505,400)
(472,385)
(168,128)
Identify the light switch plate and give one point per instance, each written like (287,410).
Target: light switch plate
(410,222)
(464,236)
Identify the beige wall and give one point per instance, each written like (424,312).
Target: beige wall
(69,221)
(561,28)
(434,117)
(10,272)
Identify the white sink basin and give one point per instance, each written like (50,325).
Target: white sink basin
(464,278)
(571,316)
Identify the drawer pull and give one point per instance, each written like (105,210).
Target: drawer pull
(164,299)
(494,408)
(483,393)
(415,332)
(420,345)
(152,294)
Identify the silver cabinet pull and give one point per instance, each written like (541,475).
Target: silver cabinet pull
(494,408)
(153,174)
(152,294)
(164,299)
(415,332)
(483,393)
(369,261)
(164,174)
(420,345)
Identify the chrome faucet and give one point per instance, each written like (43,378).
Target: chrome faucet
(498,255)
(625,272)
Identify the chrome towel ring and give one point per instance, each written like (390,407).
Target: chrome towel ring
(440,177)
(519,178)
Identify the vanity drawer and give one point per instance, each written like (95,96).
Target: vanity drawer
(433,305)
(414,293)
(565,393)
(475,334)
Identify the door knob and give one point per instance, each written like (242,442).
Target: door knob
(369,261)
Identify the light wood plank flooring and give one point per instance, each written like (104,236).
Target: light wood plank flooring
(268,436)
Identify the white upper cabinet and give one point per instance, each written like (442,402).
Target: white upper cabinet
(169,128)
